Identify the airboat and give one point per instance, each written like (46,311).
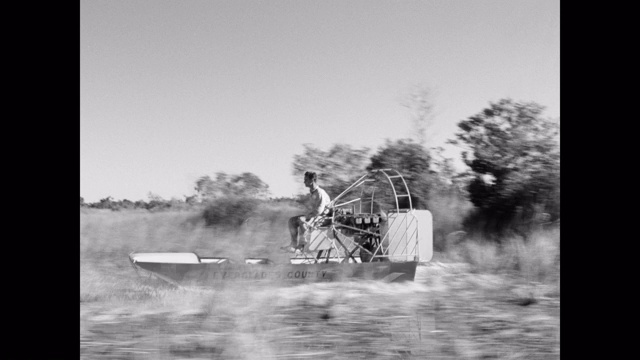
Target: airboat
(372,231)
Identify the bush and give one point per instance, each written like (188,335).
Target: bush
(229,211)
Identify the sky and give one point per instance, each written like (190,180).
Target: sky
(174,90)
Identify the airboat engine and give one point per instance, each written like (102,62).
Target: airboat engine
(375,217)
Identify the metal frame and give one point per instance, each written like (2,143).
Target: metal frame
(398,243)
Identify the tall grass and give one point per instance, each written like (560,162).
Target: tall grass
(104,233)
(124,315)
(111,236)
(537,258)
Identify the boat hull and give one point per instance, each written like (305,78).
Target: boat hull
(209,274)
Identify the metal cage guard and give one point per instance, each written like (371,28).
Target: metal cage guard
(391,236)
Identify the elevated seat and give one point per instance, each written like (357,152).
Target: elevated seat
(320,235)
(319,239)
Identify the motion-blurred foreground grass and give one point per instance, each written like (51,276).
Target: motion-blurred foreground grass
(477,300)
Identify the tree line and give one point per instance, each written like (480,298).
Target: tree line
(512,154)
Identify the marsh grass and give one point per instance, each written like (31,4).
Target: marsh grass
(467,304)
(535,259)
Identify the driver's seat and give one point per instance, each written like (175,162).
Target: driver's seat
(319,236)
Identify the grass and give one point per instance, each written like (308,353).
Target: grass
(477,300)
(536,259)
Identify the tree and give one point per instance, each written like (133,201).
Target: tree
(205,188)
(154,197)
(105,203)
(420,103)
(244,185)
(156,202)
(515,161)
(127,204)
(337,167)
(411,160)
(249,185)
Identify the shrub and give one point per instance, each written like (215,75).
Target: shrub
(229,211)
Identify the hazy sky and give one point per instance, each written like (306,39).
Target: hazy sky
(174,90)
